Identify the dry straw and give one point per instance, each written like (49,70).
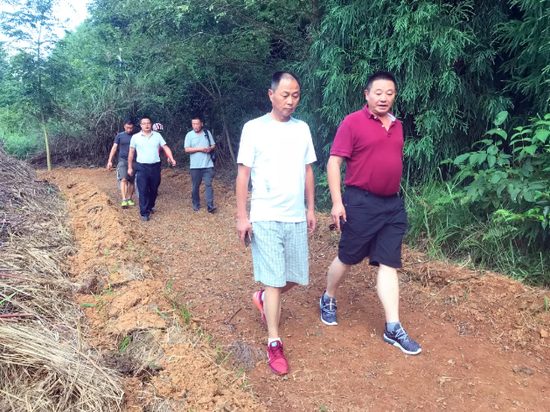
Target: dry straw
(44,362)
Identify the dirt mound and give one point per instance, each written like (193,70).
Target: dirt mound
(45,364)
(136,319)
(512,314)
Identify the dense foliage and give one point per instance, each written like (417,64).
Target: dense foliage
(459,63)
(496,210)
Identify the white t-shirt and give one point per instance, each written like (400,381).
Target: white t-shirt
(277,153)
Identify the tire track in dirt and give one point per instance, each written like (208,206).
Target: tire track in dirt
(482,334)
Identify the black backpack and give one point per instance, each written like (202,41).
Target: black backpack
(213,151)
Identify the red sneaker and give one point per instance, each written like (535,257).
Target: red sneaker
(259,302)
(276,358)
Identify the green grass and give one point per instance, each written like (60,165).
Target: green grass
(124,344)
(446,228)
(185,312)
(21,146)
(8,298)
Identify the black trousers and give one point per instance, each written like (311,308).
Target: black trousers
(148,182)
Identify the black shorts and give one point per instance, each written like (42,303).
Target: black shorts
(375,227)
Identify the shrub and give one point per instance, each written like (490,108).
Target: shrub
(21,146)
(509,177)
(495,212)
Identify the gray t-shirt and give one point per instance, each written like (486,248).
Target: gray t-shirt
(123,141)
(199,160)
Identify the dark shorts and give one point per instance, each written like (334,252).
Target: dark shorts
(375,227)
(122,171)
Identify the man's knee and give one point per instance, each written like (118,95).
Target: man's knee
(386,270)
(339,267)
(342,265)
(123,181)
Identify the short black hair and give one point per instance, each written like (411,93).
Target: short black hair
(380,76)
(146,117)
(128,121)
(278,76)
(197,117)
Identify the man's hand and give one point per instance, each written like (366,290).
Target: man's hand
(311,221)
(172,161)
(109,165)
(243,226)
(130,171)
(338,210)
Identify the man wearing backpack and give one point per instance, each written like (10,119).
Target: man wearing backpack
(200,144)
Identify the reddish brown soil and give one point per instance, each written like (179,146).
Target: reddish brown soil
(484,337)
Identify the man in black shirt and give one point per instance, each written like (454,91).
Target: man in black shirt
(122,143)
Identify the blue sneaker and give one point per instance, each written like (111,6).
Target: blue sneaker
(328,310)
(398,337)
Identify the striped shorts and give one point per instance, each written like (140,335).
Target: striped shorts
(280,253)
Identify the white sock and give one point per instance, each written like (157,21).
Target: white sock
(270,341)
(262,295)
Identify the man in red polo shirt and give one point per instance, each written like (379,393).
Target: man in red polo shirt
(370,214)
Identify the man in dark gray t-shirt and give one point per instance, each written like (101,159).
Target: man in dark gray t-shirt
(122,143)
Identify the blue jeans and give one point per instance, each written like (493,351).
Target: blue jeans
(197,176)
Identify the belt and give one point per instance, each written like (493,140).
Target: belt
(367,193)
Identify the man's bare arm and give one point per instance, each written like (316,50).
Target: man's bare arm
(243,224)
(196,149)
(131,161)
(334,184)
(111,155)
(169,154)
(310,198)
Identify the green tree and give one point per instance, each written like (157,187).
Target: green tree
(30,25)
(525,38)
(442,54)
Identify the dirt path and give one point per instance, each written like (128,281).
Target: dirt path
(485,337)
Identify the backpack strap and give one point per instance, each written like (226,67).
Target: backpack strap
(207,137)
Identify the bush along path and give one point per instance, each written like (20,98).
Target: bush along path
(173,295)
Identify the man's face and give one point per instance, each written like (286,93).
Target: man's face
(285,99)
(196,124)
(129,128)
(380,97)
(145,125)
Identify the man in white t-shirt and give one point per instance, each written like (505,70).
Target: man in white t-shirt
(276,151)
(146,145)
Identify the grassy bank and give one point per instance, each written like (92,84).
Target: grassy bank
(445,227)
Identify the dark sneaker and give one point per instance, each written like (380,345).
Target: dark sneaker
(328,310)
(196,208)
(276,358)
(212,209)
(398,337)
(145,218)
(259,302)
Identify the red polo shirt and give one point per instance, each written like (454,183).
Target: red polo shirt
(374,155)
